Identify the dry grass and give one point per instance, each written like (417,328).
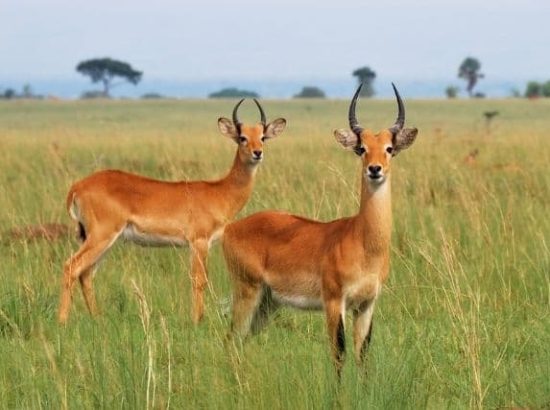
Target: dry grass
(463,321)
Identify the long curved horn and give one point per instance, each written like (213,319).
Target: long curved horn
(353,124)
(236,120)
(262,113)
(400,121)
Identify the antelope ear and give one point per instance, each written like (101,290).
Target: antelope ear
(404,139)
(227,128)
(346,138)
(274,128)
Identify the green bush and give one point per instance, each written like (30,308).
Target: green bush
(310,92)
(233,92)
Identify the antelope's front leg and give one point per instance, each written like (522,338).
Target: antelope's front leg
(362,328)
(335,311)
(199,277)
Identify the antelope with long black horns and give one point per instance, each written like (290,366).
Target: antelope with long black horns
(108,205)
(275,258)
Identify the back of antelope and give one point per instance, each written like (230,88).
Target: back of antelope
(111,204)
(275,258)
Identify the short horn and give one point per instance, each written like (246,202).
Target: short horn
(400,121)
(236,120)
(353,124)
(263,119)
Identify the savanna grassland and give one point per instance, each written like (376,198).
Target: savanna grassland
(463,321)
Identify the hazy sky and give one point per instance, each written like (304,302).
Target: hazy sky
(286,39)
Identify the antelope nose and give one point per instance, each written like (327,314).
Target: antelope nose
(375,169)
(257,154)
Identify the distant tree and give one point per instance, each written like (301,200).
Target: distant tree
(104,70)
(8,94)
(27,91)
(489,115)
(365,76)
(545,89)
(515,93)
(469,71)
(533,89)
(152,96)
(451,91)
(89,95)
(233,92)
(310,92)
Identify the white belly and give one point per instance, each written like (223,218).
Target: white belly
(298,301)
(132,234)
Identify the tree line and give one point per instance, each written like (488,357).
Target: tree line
(535,89)
(110,73)
(106,70)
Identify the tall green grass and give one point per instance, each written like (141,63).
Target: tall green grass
(463,321)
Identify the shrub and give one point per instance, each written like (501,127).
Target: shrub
(233,92)
(310,92)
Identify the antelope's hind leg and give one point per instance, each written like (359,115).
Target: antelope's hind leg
(266,308)
(86,283)
(81,265)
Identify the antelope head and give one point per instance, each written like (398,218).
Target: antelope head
(376,149)
(250,138)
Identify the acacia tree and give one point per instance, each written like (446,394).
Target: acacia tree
(469,71)
(366,77)
(105,70)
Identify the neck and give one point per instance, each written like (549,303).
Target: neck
(374,218)
(241,174)
(238,183)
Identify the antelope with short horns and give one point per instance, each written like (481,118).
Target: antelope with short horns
(275,258)
(111,204)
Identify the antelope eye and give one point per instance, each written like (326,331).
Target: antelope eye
(360,150)
(242,139)
(389,150)
(264,138)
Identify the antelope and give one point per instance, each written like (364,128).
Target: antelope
(111,204)
(275,258)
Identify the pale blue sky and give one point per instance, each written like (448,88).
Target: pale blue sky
(414,40)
